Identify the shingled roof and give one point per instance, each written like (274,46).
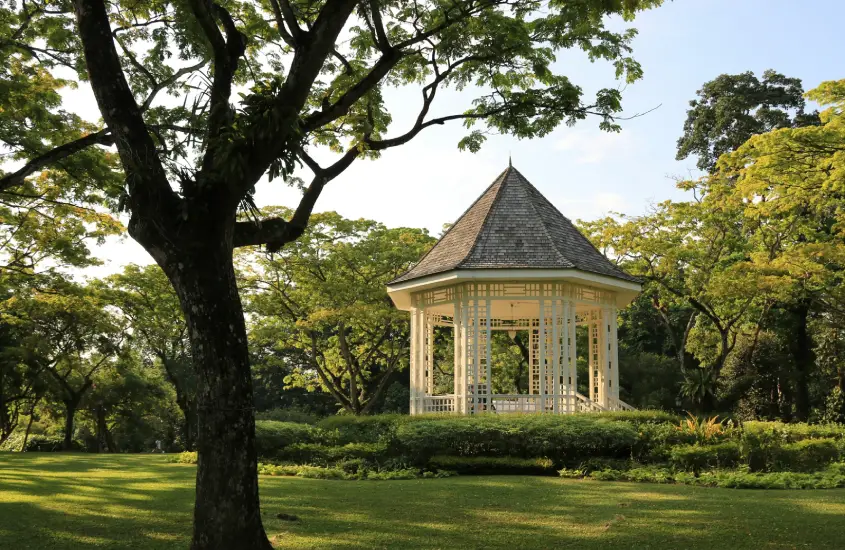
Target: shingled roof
(513,226)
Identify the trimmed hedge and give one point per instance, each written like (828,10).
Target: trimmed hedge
(483,465)
(562,439)
(271,436)
(694,458)
(582,443)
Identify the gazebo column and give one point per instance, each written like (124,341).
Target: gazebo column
(459,369)
(417,348)
(611,359)
(542,341)
(597,354)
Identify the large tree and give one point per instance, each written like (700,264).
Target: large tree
(311,73)
(733,107)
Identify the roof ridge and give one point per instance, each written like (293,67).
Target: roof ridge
(577,231)
(455,223)
(504,177)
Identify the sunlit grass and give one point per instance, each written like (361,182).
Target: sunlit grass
(90,501)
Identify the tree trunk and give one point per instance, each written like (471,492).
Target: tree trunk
(70,413)
(226,513)
(802,354)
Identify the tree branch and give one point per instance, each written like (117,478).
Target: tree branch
(276,232)
(149,190)
(103,137)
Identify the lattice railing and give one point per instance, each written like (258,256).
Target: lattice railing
(587,405)
(616,404)
(439,404)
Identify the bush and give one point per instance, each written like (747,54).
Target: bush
(807,455)
(563,439)
(272,436)
(832,477)
(315,453)
(288,415)
(694,458)
(187,457)
(363,429)
(640,417)
(315,472)
(483,465)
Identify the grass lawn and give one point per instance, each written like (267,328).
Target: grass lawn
(141,502)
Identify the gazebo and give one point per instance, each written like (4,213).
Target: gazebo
(512,262)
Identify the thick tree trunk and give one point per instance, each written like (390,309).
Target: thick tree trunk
(226,513)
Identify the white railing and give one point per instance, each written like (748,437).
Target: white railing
(439,403)
(616,404)
(586,404)
(525,403)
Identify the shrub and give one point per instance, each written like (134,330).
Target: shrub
(364,429)
(272,436)
(832,477)
(288,415)
(482,465)
(568,439)
(805,456)
(694,458)
(187,457)
(315,453)
(704,429)
(640,417)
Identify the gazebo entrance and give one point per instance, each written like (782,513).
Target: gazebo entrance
(513,263)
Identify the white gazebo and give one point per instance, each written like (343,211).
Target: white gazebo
(512,262)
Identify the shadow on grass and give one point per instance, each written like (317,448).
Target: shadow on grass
(138,501)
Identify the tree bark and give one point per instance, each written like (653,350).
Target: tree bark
(802,354)
(226,513)
(70,413)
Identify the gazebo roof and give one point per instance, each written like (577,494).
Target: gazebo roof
(513,226)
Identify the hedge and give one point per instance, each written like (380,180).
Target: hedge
(484,465)
(694,458)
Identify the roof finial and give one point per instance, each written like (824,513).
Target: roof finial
(510,164)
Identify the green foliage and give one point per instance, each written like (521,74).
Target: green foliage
(704,429)
(732,108)
(694,458)
(322,455)
(834,406)
(364,429)
(288,415)
(340,473)
(808,455)
(272,436)
(832,477)
(563,439)
(186,457)
(485,465)
(321,305)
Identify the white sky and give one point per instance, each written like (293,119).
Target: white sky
(583,171)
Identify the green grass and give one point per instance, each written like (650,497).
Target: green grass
(140,502)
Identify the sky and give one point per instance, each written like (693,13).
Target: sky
(583,171)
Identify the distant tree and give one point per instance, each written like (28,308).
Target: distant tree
(324,299)
(733,107)
(146,298)
(70,337)
(790,183)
